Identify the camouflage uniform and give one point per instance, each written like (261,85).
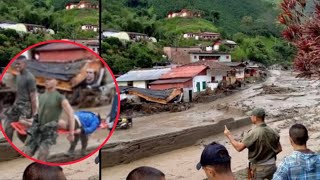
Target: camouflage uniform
(43,133)
(41,137)
(21,109)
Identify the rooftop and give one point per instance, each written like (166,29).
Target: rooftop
(57,46)
(184,72)
(171,81)
(143,75)
(212,65)
(208,52)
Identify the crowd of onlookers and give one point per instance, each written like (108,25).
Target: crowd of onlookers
(263,146)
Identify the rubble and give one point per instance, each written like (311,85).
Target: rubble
(272,89)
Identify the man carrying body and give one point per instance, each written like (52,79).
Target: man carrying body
(43,132)
(303,163)
(25,105)
(86,123)
(263,146)
(216,162)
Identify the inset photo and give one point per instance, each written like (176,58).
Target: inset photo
(57,97)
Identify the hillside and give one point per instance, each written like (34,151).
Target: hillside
(49,13)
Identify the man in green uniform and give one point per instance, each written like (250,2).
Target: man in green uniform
(25,105)
(263,146)
(43,132)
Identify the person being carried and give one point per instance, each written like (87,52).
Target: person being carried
(25,105)
(43,132)
(146,173)
(86,123)
(303,163)
(263,146)
(216,162)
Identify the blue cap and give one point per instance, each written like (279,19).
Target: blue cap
(213,154)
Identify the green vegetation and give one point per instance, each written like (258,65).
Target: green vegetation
(49,13)
(123,57)
(252,24)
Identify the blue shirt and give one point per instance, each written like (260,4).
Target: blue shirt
(302,166)
(89,121)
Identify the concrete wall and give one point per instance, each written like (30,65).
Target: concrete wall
(179,55)
(225,58)
(140,84)
(122,83)
(125,152)
(200,79)
(240,74)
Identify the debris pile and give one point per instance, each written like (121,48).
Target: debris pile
(272,89)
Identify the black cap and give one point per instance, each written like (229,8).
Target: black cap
(213,154)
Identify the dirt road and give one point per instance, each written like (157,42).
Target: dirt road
(299,104)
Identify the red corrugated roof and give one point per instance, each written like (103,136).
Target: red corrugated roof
(171,81)
(58,46)
(184,72)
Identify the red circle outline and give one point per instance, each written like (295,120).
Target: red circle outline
(116,86)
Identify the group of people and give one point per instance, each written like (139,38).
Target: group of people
(41,114)
(263,146)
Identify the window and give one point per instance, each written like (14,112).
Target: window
(213,78)
(227,57)
(130,83)
(204,85)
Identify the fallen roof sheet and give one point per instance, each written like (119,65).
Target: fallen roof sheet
(61,71)
(158,96)
(143,75)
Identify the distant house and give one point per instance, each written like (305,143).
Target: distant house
(82,5)
(185,13)
(93,44)
(179,55)
(90,27)
(61,52)
(141,78)
(192,79)
(239,68)
(24,27)
(128,36)
(201,36)
(228,43)
(71,6)
(134,36)
(209,55)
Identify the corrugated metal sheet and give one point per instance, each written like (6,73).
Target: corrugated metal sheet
(184,72)
(57,46)
(143,75)
(171,81)
(234,64)
(61,71)
(213,65)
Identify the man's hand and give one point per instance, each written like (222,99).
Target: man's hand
(226,131)
(78,131)
(70,137)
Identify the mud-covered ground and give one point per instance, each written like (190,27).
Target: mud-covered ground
(297,101)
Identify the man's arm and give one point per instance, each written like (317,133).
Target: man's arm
(34,102)
(71,121)
(237,145)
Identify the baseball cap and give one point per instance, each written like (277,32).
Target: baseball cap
(259,112)
(213,154)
